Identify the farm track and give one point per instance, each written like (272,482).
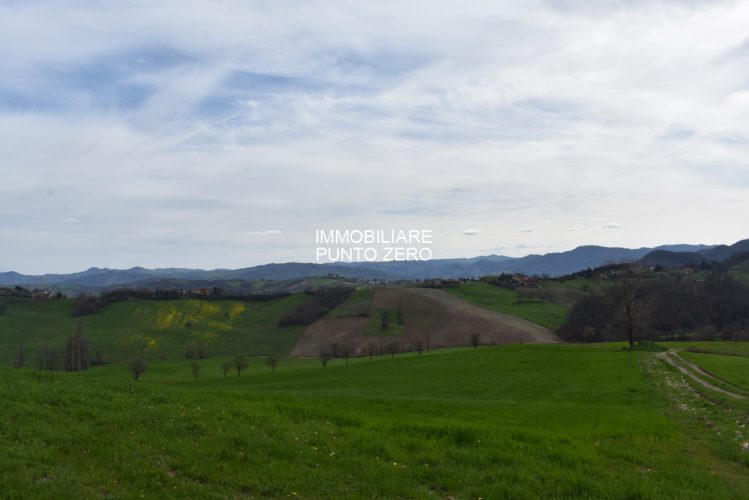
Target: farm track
(696,373)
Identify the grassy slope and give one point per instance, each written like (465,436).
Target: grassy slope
(504,301)
(148,327)
(520,421)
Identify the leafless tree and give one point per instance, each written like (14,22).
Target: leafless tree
(226,367)
(626,298)
(137,366)
(418,346)
(392,348)
(325,356)
(371,350)
(195,367)
(76,352)
(272,361)
(47,358)
(345,352)
(475,338)
(240,363)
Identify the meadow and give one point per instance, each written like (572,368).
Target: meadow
(504,300)
(522,421)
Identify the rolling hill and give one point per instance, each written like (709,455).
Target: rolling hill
(152,328)
(434,318)
(163,328)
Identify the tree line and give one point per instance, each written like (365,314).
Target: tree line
(86,304)
(636,307)
(76,354)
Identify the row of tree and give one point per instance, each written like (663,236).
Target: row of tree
(138,366)
(213,293)
(76,354)
(90,304)
(86,304)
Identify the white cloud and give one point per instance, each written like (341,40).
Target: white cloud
(165,125)
(268,232)
(471,232)
(612,225)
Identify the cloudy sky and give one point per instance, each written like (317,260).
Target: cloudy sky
(224,133)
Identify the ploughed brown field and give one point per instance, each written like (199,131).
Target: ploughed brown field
(430,316)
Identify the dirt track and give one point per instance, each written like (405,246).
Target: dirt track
(672,358)
(433,317)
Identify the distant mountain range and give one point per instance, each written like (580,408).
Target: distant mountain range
(670,257)
(552,264)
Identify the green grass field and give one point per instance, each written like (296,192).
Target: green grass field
(149,327)
(505,301)
(512,421)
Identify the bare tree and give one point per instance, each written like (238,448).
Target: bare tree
(272,361)
(345,352)
(195,367)
(76,352)
(418,346)
(475,338)
(626,298)
(392,349)
(47,358)
(325,356)
(371,350)
(240,363)
(137,366)
(226,367)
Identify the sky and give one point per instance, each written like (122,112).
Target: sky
(223,134)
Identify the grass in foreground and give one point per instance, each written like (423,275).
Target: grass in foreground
(505,301)
(519,421)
